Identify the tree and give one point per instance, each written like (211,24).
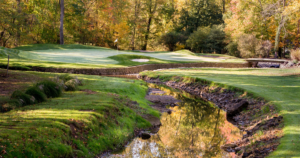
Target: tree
(199,13)
(62,8)
(151,7)
(171,39)
(207,39)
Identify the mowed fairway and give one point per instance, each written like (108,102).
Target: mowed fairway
(80,56)
(101,56)
(279,86)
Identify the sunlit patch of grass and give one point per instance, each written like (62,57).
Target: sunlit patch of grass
(279,86)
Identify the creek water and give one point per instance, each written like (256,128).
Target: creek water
(195,128)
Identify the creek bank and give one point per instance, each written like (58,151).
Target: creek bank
(254,116)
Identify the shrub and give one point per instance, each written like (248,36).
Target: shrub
(71,85)
(50,88)
(9,104)
(232,49)
(65,77)
(295,54)
(247,45)
(263,48)
(37,94)
(172,39)
(207,39)
(179,46)
(24,98)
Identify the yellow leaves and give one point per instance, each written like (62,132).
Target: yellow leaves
(293,7)
(120,30)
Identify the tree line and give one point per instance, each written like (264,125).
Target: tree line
(199,25)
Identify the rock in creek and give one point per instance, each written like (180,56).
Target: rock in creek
(145,135)
(237,108)
(229,147)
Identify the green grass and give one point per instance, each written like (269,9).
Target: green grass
(126,59)
(103,120)
(32,47)
(82,56)
(279,86)
(217,55)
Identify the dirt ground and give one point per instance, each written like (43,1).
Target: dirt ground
(15,81)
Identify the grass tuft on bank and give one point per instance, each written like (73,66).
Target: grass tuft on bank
(100,116)
(279,86)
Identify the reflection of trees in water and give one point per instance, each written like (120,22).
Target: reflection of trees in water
(192,130)
(197,126)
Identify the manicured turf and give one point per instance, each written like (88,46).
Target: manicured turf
(279,86)
(83,123)
(81,56)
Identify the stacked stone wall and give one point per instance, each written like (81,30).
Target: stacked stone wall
(136,69)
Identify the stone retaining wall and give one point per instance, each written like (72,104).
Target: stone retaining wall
(136,69)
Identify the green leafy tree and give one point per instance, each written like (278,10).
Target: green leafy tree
(207,39)
(171,39)
(199,13)
(232,49)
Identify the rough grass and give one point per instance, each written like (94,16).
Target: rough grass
(78,124)
(82,56)
(279,86)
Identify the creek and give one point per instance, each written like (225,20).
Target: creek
(191,128)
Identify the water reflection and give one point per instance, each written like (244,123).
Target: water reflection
(194,129)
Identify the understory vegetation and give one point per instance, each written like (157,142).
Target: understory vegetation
(101,115)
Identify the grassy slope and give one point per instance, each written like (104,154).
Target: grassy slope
(102,120)
(280,86)
(17,61)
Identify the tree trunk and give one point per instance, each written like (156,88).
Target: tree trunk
(281,24)
(136,9)
(7,66)
(151,14)
(19,24)
(147,34)
(276,47)
(62,21)
(224,6)
(297,44)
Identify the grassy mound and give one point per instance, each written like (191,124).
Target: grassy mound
(9,104)
(37,94)
(25,98)
(50,88)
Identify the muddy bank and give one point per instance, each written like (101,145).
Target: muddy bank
(258,120)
